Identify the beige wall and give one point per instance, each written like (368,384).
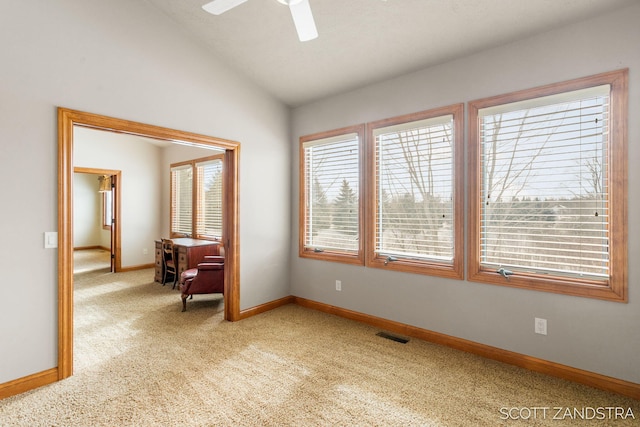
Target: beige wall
(87,211)
(589,334)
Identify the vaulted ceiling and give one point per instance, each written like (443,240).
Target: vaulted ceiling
(365,41)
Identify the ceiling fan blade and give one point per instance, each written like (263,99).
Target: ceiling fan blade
(303,20)
(218,7)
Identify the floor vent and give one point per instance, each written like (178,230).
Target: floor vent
(392,337)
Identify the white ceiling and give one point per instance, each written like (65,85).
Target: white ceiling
(365,41)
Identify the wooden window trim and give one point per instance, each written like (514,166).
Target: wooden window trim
(332,255)
(613,289)
(455,269)
(194,196)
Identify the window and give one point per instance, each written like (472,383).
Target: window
(548,201)
(331,205)
(209,199)
(105,188)
(107,200)
(415,193)
(196,198)
(182,200)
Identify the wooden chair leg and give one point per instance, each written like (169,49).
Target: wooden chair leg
(184,302)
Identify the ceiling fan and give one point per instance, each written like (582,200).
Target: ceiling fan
(300,11)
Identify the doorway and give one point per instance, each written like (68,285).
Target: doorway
(110,211)
(70,119)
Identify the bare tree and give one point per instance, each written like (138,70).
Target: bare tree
(413,210)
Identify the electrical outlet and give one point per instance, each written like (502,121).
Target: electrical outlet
(338,285)
(540,326)
(145,251)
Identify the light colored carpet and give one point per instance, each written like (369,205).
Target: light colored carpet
(87,260)
(139,361)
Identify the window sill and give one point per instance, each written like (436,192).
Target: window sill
(604,290)
(333,256)
(429,268)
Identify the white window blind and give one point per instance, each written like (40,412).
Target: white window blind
(181,206)
(107,208)
(209,212)
(414,185)
(332,180)
(545,192)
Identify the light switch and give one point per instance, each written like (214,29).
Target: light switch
(50,239)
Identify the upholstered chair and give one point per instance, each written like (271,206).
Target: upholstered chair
(207,278)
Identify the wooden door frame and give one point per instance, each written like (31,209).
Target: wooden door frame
(67,119)
(116,249)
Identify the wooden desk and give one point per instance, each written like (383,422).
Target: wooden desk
(188,252)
